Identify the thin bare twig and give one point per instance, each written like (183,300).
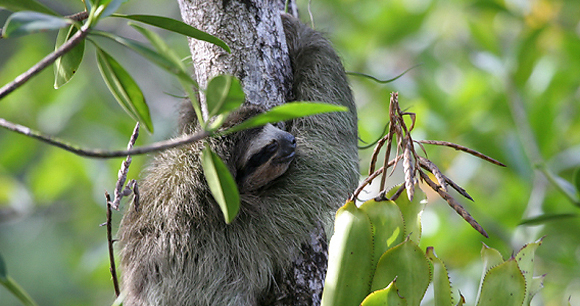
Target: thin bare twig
(454,204)
(370,178)
(158,146)
(122,176)
(112,266)
(45,62)
(464,149)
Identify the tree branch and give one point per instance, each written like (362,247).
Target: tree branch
(45,62)
(98,153)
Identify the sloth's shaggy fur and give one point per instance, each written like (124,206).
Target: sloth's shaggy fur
(177,250)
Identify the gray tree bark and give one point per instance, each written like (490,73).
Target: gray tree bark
(253,30)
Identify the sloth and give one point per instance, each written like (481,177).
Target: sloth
(176,248)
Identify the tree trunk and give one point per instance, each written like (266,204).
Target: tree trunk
(253,30)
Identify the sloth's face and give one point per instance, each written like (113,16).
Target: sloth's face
(268,155)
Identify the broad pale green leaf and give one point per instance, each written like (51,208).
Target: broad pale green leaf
(66,66)
(286,112)
(26,22)
(124,88)
(503,285)
(411,211)
(160,59)
(490,258)
(408,264)
(525,260)
(177,27)
(441,284)
(224,93)
(221,184)
(350,266)
(387,224)
(385,297)
(26,5)
(533,287)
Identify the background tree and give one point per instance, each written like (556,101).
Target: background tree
(500,77)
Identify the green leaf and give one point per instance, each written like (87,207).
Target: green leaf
(525,260)
(13,287)
(111,7)
(159,44)
(411,211)
(177,27)
(387,225)
(441,284)
(66,66)
(577,181)
(26,5)
(408,264)
(221,184)
(350,265)
(3,273)
(124,88)
(162,60)
(491,258)
(224,93)
(503,285)
(286,112)
(385,297)
(26,22)
(545,218)
(534,287)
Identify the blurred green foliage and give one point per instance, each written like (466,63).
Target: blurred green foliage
(501,77)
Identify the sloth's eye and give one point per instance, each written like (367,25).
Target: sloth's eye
(272,147)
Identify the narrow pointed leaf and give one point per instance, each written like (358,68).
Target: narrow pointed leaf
(577,181)
(3,272)
(503,285)
(286,112)
(26,22)
(111,7)
(160,59)
(542,219)
(13,287)
(66,66)
(26,5)
(350,251)
(221,184)
(387,225)
(385,297)
(441,284)
(124,89)
(408,264)
(223,94)
(177,27)
(160,45)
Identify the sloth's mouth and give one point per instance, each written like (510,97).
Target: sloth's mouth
(287,158)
